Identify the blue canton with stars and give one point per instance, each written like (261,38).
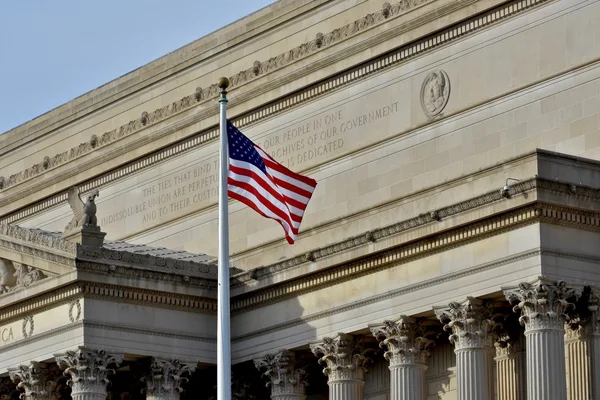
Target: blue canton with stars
(242,149)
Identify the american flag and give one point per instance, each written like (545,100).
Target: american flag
(266,186)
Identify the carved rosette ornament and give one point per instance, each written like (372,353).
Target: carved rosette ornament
(165,379)
(471,330)
(88,371)
(34,380)
(345,358)
(287,379)
(408,352)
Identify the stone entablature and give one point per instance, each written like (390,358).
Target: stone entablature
(210,134)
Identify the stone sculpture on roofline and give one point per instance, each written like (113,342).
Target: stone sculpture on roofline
(83,227)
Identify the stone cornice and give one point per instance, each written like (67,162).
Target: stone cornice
(147,262)
(164,275)
(147,297)
(98,290)
(40,303)
(389,295)
(147,119)
(225,38)
(203,95)
(38,244)
(534,213)
(433,216)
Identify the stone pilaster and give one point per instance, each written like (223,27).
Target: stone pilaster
(543,308)
(470,326)
(165,379)
(35,380)
(510,366)
(582,335)
(88,371)
(287,379)
(345,360)
(408,353)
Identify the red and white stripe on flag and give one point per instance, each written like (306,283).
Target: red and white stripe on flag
(260,182)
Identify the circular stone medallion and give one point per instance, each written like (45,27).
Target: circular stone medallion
(435,92)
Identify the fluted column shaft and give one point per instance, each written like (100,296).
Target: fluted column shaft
(543,308)
(579,364)
(472,335)
(408,382)
(546,364)
(510,376)
(474,373)
(346,390)
(407,344)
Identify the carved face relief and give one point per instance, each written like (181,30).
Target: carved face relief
(435,93)
(7,275)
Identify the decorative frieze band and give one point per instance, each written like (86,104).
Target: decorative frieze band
(202,95)
(376,65)
(422,248)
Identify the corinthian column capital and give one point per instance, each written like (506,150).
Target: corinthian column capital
(165,379)
(470,323)
(344,356)
(34,379)
(405,340)
(287,379)
(88,371)
(543,305)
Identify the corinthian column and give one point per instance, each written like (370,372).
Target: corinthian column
(165,379)
(408,353)
(286,379)
(471,326)
(543,306)
(345,361)
(34,379)
(89,371)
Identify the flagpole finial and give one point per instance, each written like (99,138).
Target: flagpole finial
(223,83)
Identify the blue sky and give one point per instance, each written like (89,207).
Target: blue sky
(52,51)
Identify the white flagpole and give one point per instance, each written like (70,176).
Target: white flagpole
(223,331)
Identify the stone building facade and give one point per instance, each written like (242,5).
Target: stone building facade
(449,251)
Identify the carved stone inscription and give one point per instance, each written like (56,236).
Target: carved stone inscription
(173,195)
(321,137)
(314,139)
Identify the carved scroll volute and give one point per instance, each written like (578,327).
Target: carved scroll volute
(469,323)
(88,370)
(166,378)
(344,356)
(34,380)
(542,305)
(284,374)
(407,340)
